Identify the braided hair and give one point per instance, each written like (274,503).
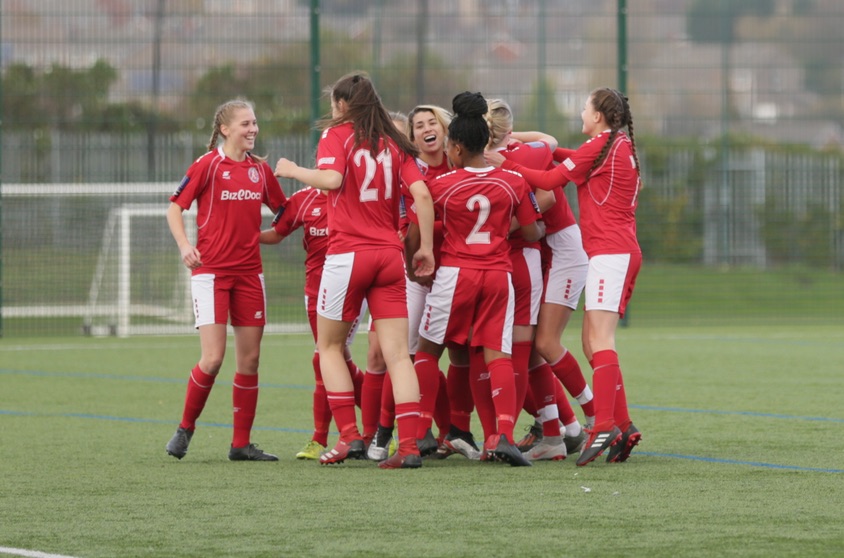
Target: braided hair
(223,117)
(500,119)
(615,107)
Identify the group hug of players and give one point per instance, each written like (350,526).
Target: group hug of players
(454,231)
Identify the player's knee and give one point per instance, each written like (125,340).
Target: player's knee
(211,364)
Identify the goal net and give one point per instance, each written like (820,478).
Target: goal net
(100,260)
(130,263)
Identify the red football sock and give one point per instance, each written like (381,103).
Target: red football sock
(244,403)
(482,392)
(503,394)
(442,411)
(322,413)
(568,371)
(357,379)
(342,405)
(605,381)
(407,416)
(460,397)
(529,405)
(621,413)
(199,387)
(564,409)
(521,360)
(428,373)
(542,384)
(388,404)
(370,401)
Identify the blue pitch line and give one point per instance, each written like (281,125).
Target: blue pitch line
(740,413)
(144,421)
(154,379)
(307,431)
(760,340)
(737,462)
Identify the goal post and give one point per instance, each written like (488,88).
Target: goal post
(111,308)
(99,259)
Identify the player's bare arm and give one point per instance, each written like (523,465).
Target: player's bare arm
(269,236)
(322,179)
(423,259)
(189,254)
(527,137)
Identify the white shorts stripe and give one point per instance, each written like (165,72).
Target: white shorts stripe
(438,305)
(533,259)
(569,263)
(509,321)
(336,273)
(605,281)
(202,291)
(416,295)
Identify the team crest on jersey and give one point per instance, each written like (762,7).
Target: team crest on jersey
(253,175)
(316,211)
(227,175)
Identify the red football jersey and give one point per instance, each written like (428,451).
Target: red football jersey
(609,198)
(477,206)
(229,195)
(308,209)
(363,213)
(538,155)
(429,172)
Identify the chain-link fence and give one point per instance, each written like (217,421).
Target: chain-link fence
(738,109)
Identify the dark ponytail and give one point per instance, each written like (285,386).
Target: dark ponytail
(615,107)
(469,126)
(371,121)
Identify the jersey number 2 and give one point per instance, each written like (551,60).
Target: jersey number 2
(482,204)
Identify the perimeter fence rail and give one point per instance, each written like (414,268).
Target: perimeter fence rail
(738,110)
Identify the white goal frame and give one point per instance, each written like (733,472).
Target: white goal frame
(115,250)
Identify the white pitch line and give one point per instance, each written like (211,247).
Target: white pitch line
(30,553)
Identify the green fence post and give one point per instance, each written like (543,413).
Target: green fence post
(315,73)
(622,45)
(622,83)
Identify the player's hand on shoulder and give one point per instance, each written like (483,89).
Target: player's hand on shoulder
(494,158)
